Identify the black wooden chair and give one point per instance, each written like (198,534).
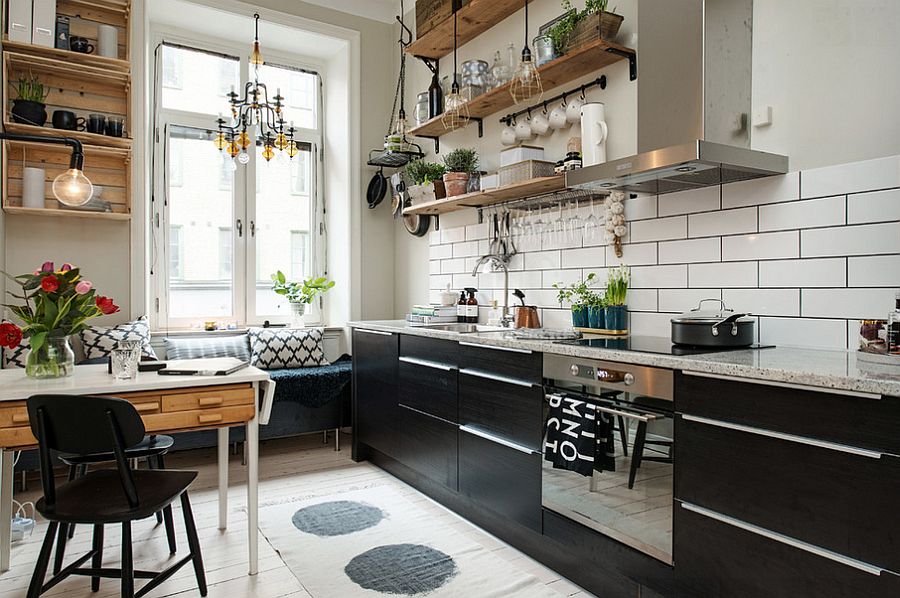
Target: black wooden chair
(640,438)
(87,426)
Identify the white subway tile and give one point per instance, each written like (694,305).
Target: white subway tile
(556,318)
(828,272)
(865,304)
(765,246)
(438,252)
(803,332)
(484,247)
(828,211)
(725,222)
(489,280)
(453,235)
(453,266)
(434,237)
(633,254)
(642,299)
(525,280)
(869,239)
(681,300)
(640,208)
(691,250)
(856,177)
(763,302)
(880,206)
(703,199)
(466,249)
(543,298)
(542,260)
(476,232)
(439,282)
(470,263)
(516,262)
(650,324)
(877,271)
(461,281)
(766,190)
(658,277)
(659,229)
(722,275)
(434,267)
(561,242)
(562,277)
(588,257)
(530,243)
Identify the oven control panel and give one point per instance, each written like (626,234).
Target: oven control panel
(608,375)
(589,372)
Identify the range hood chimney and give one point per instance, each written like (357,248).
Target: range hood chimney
(694,102)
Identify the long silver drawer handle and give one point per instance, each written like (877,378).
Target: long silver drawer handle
(492,348)
(646,417)
(834,391)
(497,440)
(833,446)
(497,377)
(378,332)
(781,538)
(428,364)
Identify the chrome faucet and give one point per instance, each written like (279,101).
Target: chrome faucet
(506,320)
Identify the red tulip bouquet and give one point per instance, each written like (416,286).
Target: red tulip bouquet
(57,304)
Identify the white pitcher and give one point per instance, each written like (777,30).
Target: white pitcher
(594,133)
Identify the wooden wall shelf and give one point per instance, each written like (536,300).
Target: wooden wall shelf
(60,213)
(579,62)
(82,136)
(475,18)
(76,58)
(523,190)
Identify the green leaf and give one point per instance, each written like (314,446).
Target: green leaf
(37,340)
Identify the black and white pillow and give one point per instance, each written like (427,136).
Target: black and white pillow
(99,341)
(201,348)
(278,348)
(15,358)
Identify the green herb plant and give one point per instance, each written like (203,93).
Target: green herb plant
(31,89)
(579,294)
(462,160)
(562,30)
(617,285)
(424,173)
(300,292)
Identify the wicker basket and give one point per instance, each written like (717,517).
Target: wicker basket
(599,25)
(525,171)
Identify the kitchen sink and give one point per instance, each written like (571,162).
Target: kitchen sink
(463,328)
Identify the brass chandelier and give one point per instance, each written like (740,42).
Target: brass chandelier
(255,110)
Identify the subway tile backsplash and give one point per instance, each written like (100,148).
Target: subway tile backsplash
(808,253)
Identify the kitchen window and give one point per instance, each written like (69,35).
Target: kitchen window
(225,227)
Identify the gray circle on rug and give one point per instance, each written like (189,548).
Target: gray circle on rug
(405,569)
(337,518)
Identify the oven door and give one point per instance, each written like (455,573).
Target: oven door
(631,503)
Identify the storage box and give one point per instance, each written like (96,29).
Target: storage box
(43,23)
(19,21)
(525,171)
(430,13)
(520,153)
(490,181)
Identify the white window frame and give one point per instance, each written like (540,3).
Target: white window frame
(245,250)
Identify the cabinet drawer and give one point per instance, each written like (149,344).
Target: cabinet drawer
(19,437)
(429,446)
(430,349)
(835,497)
(511,363)
(375,356)
(14,415)
(500,477)
(208,399)
(512,411)
(716,556)
(865,422)
(430,387)
(199,419)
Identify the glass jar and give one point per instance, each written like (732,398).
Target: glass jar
(475,73)
(422,107)
(298,310)
(53,359)
(500,71)
(543,49)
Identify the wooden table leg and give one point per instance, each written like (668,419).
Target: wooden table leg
(6,506)
(223,478)
(253,492)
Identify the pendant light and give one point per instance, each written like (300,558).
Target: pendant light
(526,81)
(456,109)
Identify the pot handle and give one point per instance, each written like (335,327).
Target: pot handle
(719,301)
(732,319)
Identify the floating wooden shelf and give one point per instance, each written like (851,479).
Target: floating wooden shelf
(523,190)
(60,213)
(475,18)
(577,63)
(67,74)
(82,136)
(76,58)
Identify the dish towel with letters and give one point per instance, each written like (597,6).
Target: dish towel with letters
(578,437)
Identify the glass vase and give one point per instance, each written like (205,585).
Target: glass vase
(54,359)
(298,310)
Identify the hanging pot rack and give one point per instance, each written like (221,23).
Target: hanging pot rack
(581,89)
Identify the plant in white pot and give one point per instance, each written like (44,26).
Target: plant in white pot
(460,164)
(299,294)
(427,182)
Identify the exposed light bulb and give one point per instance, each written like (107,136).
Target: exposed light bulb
(72,188)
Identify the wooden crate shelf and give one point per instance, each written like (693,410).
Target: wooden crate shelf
(61,213)
(75,58)
(475,18)
(523,190)
(82,136)
(577,63)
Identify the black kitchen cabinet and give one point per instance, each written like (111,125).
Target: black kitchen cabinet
(429,446)
(509,408)
(375,404)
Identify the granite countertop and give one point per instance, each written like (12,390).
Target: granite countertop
(805,367)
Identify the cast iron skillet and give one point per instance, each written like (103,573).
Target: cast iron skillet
(377,189)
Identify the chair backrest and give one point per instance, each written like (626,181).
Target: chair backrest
(85,425)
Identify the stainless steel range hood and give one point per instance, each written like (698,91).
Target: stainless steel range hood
(694,102)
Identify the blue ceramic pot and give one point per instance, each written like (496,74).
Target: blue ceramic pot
(596,317)
(579,316)
(617,317)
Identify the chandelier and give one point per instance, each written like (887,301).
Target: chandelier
(255,110)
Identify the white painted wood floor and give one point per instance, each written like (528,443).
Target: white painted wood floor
(289,469)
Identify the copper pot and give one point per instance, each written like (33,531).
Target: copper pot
(527,317)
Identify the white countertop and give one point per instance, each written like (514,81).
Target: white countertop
(814,368)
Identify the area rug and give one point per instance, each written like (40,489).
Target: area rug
(376,542)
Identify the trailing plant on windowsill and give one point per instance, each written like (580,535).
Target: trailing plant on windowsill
(300,292)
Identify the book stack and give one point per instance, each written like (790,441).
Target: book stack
(423,315)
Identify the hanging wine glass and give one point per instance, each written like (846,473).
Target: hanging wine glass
(591,225)
(574,222)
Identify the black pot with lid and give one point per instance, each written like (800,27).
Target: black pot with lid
(720,327)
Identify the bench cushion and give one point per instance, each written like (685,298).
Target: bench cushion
(202,348)
(312,386)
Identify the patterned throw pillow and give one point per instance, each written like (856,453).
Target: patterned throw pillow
(278,348)
(201,348)
(15,358)
(99,341)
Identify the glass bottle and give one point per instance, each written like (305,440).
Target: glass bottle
(472,307)
(435,97)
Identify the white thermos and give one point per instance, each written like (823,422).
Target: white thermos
(33,187)
(594,133)
(108,41)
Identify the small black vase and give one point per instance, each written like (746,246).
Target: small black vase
(27,112)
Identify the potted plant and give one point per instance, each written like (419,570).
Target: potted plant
(596,310)
(580,296)
(29,108)
(57,304)
(299,294)
(616,291)
(576,27)
(426,176)
(460,164)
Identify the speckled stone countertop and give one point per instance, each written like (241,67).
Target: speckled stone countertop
(804,367)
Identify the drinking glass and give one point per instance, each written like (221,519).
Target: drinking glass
(125,358)
(591,225)
(574,222)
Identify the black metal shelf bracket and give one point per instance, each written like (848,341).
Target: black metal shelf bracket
(436,140)
(632,61)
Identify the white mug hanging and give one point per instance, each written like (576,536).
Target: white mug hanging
(523,130)
(594,133)
(540,124)
(573,110)
(508,135)
(558,118)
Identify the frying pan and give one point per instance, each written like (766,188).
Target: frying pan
(377,189)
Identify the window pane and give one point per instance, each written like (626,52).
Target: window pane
(200,218)
(299,90)
(196,81)
(282,225)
